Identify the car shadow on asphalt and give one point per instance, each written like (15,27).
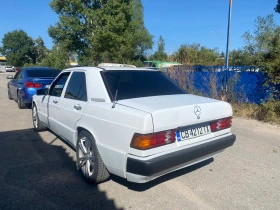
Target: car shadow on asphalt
(175,174)
(38,175)
(146,186)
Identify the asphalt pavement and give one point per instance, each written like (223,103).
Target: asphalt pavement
(38,171)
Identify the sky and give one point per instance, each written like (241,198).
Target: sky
(178,21)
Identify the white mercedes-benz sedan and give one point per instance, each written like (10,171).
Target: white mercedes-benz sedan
(134,123)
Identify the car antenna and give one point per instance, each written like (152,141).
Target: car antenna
(115,99)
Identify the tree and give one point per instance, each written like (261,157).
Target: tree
(264,31)
(277,8)
(101,31)
(263,49)
(258,44)
(40,49)
(194,54)
(187,54)
(265,28)
(207,56)
(57,57)
(241,58)
(272,59)
(160,53)
(19,48)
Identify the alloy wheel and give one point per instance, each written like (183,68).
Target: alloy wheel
(86,157)
(35,117)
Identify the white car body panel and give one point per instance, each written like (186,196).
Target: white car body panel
(67,118)
(113,128)
(121,122)
(174,111)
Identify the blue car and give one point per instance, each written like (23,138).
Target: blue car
(26,82)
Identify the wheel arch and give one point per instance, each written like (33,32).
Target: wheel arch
(81,128)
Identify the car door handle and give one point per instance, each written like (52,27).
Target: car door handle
(55,101)
(77,107)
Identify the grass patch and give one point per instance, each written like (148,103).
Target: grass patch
(266,112)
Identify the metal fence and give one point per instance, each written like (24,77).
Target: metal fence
(244,84)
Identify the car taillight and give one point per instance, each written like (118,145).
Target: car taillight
(148,141)
(221,124)
(33,85)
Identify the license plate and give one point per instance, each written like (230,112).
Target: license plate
(193,132)
(57,86)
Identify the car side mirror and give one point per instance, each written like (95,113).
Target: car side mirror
(10,77)
(42,92)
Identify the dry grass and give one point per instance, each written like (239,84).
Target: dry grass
(245,110)
(267,112)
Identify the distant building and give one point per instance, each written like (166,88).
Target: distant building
(3,63)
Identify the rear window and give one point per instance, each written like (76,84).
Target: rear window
(136,84)
(42,73)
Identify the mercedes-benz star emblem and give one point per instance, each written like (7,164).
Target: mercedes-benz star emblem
(197,111)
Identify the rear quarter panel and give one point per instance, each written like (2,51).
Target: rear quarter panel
(113,129)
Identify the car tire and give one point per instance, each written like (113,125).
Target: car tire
(21,104)
(9,95)
(38,125)
(89,161)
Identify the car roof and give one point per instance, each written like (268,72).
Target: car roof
(38,68)
(107,68)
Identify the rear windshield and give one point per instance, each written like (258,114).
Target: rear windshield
(136,84)
(43,73)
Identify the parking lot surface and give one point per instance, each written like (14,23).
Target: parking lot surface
(38,171)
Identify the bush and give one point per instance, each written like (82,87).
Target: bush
(269,112)
(245,110)
(266,112)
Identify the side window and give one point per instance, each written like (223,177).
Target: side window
(76,88)
(58,85)
(18,74)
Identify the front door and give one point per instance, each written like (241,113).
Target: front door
(71,106)
(50,104)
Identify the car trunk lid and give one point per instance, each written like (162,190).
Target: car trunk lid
(175,111)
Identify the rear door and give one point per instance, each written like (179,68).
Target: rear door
(71,106)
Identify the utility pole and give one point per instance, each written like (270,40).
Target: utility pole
(228,43)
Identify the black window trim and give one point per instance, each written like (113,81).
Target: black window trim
(70,76)
(57,78)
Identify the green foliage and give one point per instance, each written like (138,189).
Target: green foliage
(160,54)
(258,44)
(101,31)
(277,8)
(56,58)
(241,58)
(264,31)
(40,49)
(262,49)
(18,47)
(272,62)
(269,112)
(195,54)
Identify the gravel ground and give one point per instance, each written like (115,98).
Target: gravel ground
(38,171)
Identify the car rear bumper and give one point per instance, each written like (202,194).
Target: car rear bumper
(143,170)
(27,94)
